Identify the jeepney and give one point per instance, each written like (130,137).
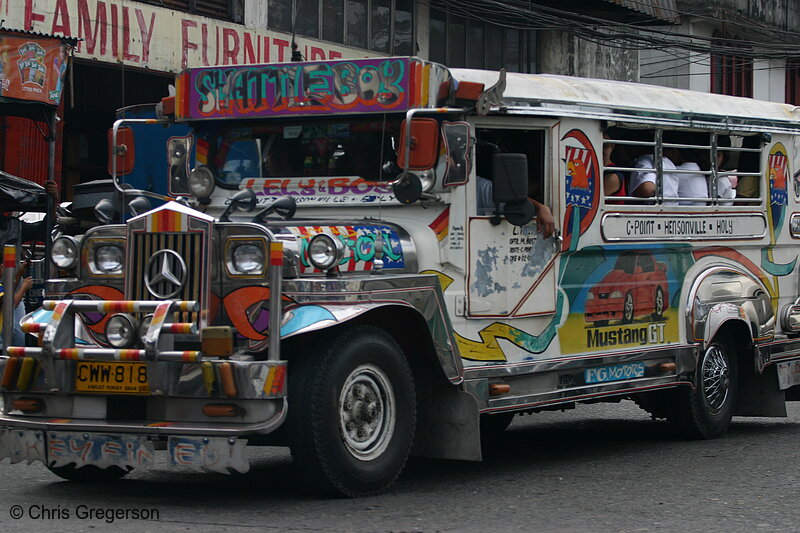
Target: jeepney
(326,279)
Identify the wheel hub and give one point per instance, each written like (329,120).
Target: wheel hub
(715,376)
(366,412)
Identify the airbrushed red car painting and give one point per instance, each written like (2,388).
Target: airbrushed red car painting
(636,287)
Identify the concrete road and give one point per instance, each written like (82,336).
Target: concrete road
(598,468)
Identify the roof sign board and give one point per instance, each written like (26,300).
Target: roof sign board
(375,85)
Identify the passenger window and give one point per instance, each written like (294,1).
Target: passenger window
(682,168)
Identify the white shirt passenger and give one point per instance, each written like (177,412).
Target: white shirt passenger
(692,185)
(670,178)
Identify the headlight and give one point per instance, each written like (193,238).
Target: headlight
(201,182)
(589,295)
(248,259)
(120,330)
(108,259)
(615,294)
(325,252)
(65,252)
(144,326)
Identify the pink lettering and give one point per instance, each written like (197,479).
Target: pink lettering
(61,12)
(338,185)
(83,449)
(204,28)
(126,37)
(334,55)
(111,449)
(250,50)
(146,33)
(30,16)
(56,447)
(317,53)
(186,44)
(184,453)
(114,36)
(85,26)
(272,186)
(282,45)
(216,46)
(307,187)
(230,43)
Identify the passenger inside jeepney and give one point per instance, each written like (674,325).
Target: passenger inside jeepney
(484,149)
(614,154)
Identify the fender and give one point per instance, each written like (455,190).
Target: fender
(724,293)
(321,304)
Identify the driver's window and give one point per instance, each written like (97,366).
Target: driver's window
(491,141)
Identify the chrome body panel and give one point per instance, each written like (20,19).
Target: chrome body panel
(346,298)
(722,294)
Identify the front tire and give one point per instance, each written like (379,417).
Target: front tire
(705,412)
(658,307)
(352,412)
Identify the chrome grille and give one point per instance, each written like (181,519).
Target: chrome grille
(189,247)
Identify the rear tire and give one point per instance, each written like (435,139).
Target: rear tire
(492,425)
(705,412)
(88,473)
(352,412)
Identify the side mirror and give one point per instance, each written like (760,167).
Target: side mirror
(244,200)
(139,205)
(123,150)
(284,207)
(424,144)
(105,212)
(510,172)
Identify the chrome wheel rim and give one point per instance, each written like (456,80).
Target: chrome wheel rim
(628,310)
(659,302)
(367,411)
(715,375)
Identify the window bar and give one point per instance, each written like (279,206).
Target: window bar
(712,188)
(658,154)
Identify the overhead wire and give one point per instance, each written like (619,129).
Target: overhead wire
(518,15)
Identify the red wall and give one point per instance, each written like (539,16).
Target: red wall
(24,152)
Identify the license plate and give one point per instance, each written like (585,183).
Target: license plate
(111,377)
(126,451)
(614,373)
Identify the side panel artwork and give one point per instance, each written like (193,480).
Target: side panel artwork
(359,243)
(623,297)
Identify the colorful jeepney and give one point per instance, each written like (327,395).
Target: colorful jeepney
(328,280)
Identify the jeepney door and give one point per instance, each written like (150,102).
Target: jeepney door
(511,269)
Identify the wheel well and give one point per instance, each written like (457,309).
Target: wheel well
(758,394)
(736,333)
(405,325)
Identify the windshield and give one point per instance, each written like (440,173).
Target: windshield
(328,147)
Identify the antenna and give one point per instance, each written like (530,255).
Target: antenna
(296,55)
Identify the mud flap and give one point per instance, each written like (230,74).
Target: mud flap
(448,427)
(760,395)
